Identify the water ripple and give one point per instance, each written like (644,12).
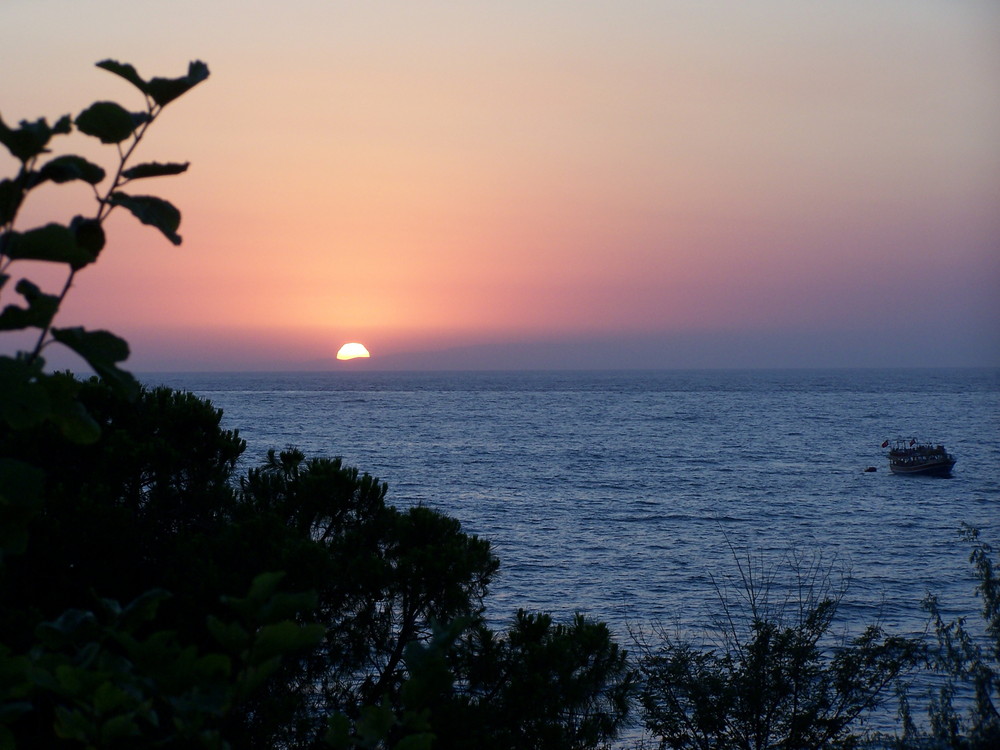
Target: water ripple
(623,494)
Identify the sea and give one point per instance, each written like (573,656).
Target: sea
(638,497)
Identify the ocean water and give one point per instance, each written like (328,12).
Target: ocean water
(623,495)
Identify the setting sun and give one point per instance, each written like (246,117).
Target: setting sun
(603,189)
(352,351)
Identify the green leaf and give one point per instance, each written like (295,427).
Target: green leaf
(39,313)
(119,727)
(65,627)
(73,725)
(233,637)
(143,608)
(255,676)
(108,121)
(109,697)
(264,586)
(165,90)
(67,168)
(42,677)
(31,138)
(154,169)
(212,667)
(124,70)
(153,211)
(54,243)
(102,350)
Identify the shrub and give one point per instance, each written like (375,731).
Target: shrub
(772,674)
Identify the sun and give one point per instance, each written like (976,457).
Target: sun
(352,351)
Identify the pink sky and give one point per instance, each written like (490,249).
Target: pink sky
(585,184)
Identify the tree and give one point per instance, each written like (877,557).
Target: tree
(402,593)
(155,504)
(28,395)
(773,676)
(383,578)
(562,686)
(968,662)
(146,588)
(118,514)
(76,666)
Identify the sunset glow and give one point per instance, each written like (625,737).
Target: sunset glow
(686,184)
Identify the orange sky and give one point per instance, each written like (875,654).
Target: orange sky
(817,181)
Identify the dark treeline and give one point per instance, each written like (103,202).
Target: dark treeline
(163,599)
(154,595)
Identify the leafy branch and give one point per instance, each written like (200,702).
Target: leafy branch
(30,397)
(78,243)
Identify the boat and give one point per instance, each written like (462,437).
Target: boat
(912,456)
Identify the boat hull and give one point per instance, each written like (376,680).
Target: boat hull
(929,468)
(912,456)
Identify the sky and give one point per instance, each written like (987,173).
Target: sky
(568,185)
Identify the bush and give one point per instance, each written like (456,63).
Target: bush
(772,674)
(963,714)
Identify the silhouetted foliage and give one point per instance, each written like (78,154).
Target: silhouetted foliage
(383,577)
(114,493)
(29,396)
(154,503)
(541,684)
(118,514)
(75,665)
(146,587)
(774,676)
(963,712)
